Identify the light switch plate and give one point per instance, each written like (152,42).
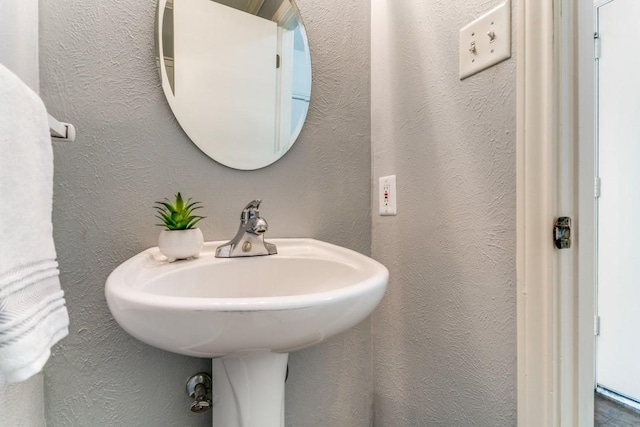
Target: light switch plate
(486,41)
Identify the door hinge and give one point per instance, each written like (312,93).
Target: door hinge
(596,325)
(596,45)
(597,187)
(562,232)
(277,61)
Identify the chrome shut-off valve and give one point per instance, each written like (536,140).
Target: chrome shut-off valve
(199,389)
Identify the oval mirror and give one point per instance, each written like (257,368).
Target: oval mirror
(237,75)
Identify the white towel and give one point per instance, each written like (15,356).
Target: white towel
(33,316)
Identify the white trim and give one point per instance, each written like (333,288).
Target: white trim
(535,181)
(602,3)
(285,16)
(554,334)
(540,328)
(566,119)
(587,215)
(254,6)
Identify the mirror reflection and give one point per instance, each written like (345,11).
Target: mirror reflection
(237,75)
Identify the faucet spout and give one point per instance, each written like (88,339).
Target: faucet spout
(249,240)
(258,226)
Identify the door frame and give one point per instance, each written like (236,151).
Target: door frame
(587,206)
(555,315)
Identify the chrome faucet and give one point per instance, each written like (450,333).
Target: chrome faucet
(249,240)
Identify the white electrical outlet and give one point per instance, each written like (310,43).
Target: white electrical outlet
(486,41)
(387,195)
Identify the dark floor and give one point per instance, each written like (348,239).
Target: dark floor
(609,413)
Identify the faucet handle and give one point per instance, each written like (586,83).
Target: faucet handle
(251,210)
(254,204)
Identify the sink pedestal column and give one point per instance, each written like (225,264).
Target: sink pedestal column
(249,390)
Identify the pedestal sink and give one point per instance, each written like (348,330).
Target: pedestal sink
(246,313)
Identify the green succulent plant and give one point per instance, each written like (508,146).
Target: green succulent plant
(177,215)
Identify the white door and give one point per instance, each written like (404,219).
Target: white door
(618,269)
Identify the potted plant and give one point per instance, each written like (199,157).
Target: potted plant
(180,239)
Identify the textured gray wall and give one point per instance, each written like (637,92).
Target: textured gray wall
(22,404)
(445,334)
(98,72)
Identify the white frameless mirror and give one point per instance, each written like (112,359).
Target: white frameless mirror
(236,74)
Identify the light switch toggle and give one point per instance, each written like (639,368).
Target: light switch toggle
(492,35)
(472,48)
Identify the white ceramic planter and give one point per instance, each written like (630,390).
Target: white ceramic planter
(180,244)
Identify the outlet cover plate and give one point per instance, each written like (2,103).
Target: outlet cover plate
(486,41)
(387,195)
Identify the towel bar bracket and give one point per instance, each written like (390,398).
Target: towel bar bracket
(61,131)
(68,135)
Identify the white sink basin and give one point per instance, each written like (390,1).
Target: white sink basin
(212,307)
(247,313)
